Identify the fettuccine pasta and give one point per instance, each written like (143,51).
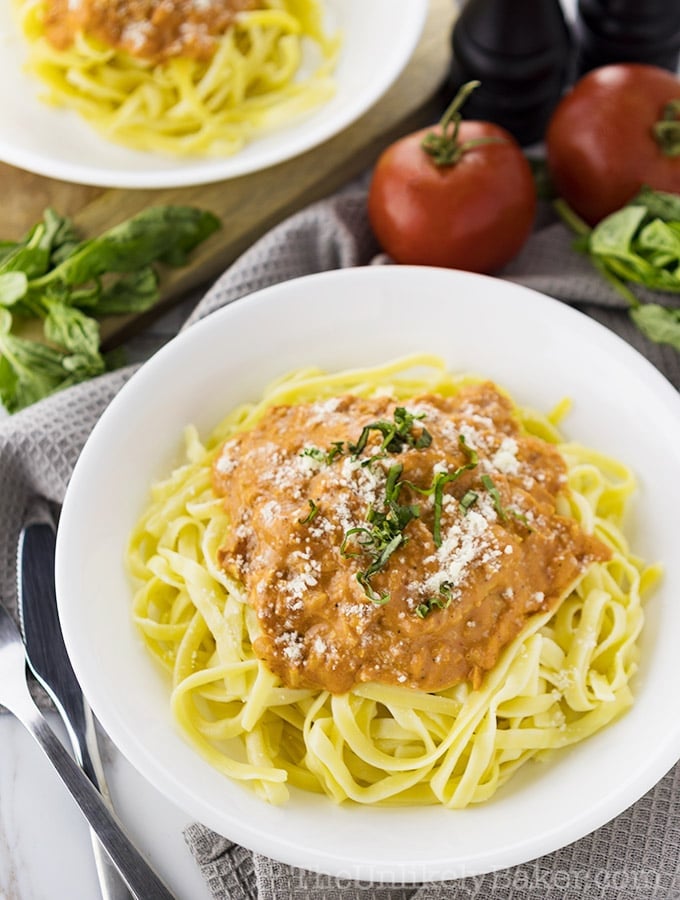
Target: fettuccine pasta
(563,677)
(272,65)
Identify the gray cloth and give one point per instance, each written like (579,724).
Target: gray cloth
(635,856)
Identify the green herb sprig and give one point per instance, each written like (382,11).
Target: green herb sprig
(69,284)
(439,482)
(638,245)
(312,514)
(502,512)
(494,493)
(397,435)
(441,601)
(383,533)
(324,456)
(468,500)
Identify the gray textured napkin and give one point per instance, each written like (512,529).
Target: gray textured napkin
(634,857)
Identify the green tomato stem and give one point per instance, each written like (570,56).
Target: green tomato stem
(443,144)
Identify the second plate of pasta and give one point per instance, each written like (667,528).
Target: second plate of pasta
(170,104)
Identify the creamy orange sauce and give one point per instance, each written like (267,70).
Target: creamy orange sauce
(502,557)
(154,30)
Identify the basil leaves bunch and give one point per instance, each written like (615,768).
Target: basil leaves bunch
(638,245)
(68,284)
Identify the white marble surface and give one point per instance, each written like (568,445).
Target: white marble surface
(45,851)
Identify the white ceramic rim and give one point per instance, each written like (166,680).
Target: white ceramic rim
(597,779)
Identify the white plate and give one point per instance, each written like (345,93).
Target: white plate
(541,351)
(379,38)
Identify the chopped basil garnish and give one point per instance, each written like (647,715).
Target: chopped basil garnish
(313,512)
(315,453)
(440,480)
(378,599)
(501,511)
(337,449)
(441,601)
(495,496)
(383,533)
(386,531)
(521,518)
(396,435)
(324,456)
(468,499)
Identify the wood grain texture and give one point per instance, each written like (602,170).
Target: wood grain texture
(252,204)
(25,196)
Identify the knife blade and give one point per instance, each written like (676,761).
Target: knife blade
(50,663)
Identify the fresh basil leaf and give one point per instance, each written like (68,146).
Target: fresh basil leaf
(33,254)
(8,386)
(659,204)
(165,233)
(134,292)
(31,258)
(631,247)
(51,274)
(614,235)
(658,323)
(5,321)
(639,244)
(65,238)
(83,297)
(29,371)
(82,366)
(13,286)
(71,329)
(659,243)
(630,268)
(6,248)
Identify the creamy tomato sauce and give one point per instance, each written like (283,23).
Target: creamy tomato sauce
(470,567)
(149,29)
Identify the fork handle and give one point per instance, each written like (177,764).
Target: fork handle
(111,884)
(140,878)
(80,727)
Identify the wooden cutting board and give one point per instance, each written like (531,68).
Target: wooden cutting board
(250,205)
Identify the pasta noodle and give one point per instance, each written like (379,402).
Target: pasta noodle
(260,77)
(565,676)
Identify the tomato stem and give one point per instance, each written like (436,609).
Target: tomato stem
(570,218)
(667,129)
(452,114)
(443,144)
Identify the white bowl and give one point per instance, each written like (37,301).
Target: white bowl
(537,348)
(378,40)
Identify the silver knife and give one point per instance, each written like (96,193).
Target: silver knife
(49,662)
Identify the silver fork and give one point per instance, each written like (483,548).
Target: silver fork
(50,665)
(142,881)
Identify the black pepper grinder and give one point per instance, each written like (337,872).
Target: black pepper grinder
(520,51)
(642,31)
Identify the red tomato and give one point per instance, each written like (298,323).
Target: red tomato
(473,214)
(601,144)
